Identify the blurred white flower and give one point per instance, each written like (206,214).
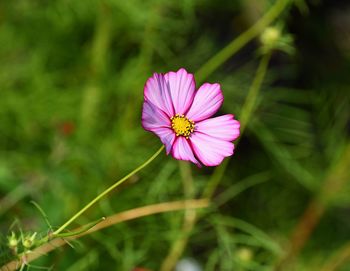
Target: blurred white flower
(187,264)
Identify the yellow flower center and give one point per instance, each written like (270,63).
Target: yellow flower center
(181,125)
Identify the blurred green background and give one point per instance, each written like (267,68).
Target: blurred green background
(71,91)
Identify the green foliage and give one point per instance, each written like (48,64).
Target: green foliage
(71,90)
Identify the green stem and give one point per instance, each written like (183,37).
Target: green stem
(212,64)
(250,102)
(109,189)
(190,218)
(246,112)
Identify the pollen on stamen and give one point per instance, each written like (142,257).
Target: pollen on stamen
(182,126)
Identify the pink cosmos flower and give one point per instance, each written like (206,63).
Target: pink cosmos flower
(181,117)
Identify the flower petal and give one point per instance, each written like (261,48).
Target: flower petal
(182,87)
(157,92)
(167,137)
(156,121)
(206,103)
(153,117)
(183,151)
(223,127)
(210,150)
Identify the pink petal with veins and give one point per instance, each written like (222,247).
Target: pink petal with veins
(224,127)
(156,121)
(157,92)
(206,103)
(182,88)
(167,137)
(153,117)
(210,150)
(183,151)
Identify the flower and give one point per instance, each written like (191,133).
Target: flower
(181,117)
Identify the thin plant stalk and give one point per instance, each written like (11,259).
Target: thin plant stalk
(190,218)
(99,55)
(105,192)
(246,112)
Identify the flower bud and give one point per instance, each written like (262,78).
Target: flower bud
(28,241)
(12,241)
(273,38)
(270,36)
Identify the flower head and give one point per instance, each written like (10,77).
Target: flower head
(180,116)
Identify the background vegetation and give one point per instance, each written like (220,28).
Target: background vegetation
(71,90)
